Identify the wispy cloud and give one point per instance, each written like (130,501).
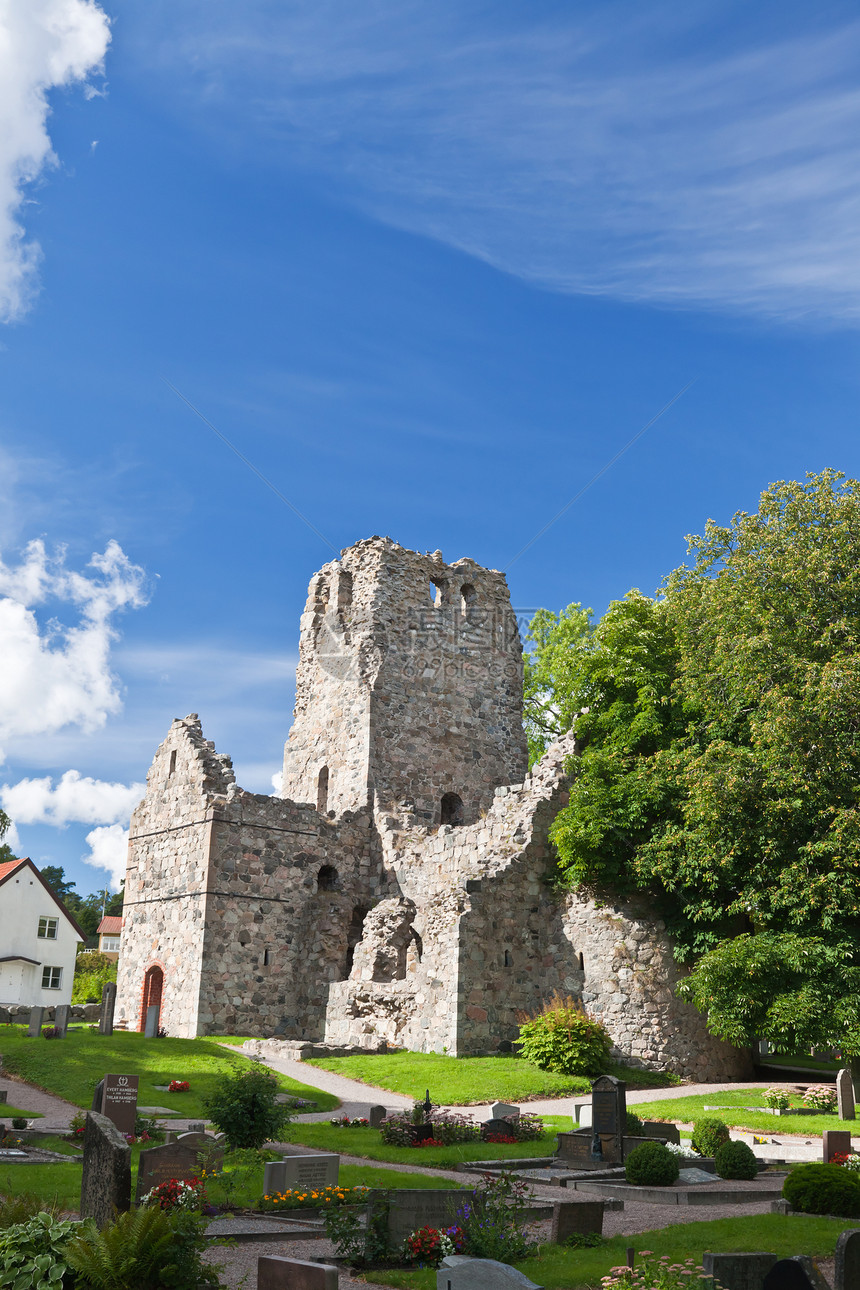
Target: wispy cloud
(607,153)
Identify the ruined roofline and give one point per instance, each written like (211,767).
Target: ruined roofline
(389,545)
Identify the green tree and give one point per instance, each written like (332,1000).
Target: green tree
(6,852)
(56,879)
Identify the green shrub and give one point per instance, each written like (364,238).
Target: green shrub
(34,1253)
(823,1189)
(243,1107)
(148,1249)
(92,973)
(709,1134)
(564,1039)
(651,1164)
(735,1160)
(633,1126)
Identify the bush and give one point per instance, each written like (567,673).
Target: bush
(633,1126)
(243,1107)
(35,1253)
(709,1135)
(822,1097)
(823,1189)
(735,1160)
(148,1248)
(19,1122)
(778,1099)
(564,1039)
(651,1165)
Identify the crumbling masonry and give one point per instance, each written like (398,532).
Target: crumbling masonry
(397,892)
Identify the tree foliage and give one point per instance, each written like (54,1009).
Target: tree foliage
(719,726)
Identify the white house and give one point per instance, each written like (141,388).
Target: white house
(38,939)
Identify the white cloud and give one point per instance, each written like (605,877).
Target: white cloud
(109,851)
(44,44)
(74,800)
(56,675)
(664,155)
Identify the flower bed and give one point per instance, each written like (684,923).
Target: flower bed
(358,1122)
(178,1086)
(311,1198)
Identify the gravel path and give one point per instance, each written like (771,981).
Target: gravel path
(57,1113)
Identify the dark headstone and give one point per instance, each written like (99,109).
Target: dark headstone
(845,1096)
(5,1016)
(98,1094)
(106,1011)
(35,1026)
(151,1025)
(457,1272)
(796,1273)
(421,1132)
(657,1129)
(179,1159)
(847,1269)
(738,1271)
(574,1149)
(61,1018)
(376,1115)
(119,1101)
(569,1216)
(3,1095)
(106,1181)
(609,1113)
(276,1273)
(835,1142)
(500,1127)
(504,1111)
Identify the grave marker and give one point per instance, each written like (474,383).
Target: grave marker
(119,1101)
(106,1180)
(61,1018)
(410,1209)
(107,1008)
(738,1271)
(569,1216)
(609,1114)
(376,1115)
(835,1142)
(797,1273)
(457,1272)
(276,1273)
(178,1159)
(847,1269)
(35,1026)
(96,1104)
(657,1129)
(301,1173)
(151,1025)
(504,1111)
(845,1095)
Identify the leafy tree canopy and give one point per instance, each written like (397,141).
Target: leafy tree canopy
(719,726)
(88,910)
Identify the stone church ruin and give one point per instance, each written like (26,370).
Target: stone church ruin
(396,892)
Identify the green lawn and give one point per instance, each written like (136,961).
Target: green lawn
(10,1112)
(560,1269)
(798,1063)
(466,1081)
(368,1144)
(72,1067)
(684,1109)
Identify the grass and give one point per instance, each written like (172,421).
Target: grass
(71,1067)
(797,1063)
(559,1269)
(685,1109)
(466,1081)
(12,1112)
(368,1144)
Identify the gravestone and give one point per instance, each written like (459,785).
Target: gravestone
(106,1181)
(106,1010)
(738,1271)
(501,1128)
(569,1216)
(457,1272)
(410,1209)
(119,1101)
(835,1142)
(609,1115)
(61,1018)
(3,1095)
(35,1026)
(583,1118)
(657,1129)
(276,1273)
(98,1093)
(151,1025)
(376,1115)
(196,1126)
(796,1273)
(576,1150)
(178,1159)
(847,1270)
(504,1111)
(301,1173)
(845,1095)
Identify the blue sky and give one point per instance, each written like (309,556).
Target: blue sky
(429,267)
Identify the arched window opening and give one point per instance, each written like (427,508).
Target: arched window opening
(581,963)
(344,589)
(353,935)
(327,878)
(437,591)
(322,790)
(507,958)
(172,770)
(468,599)
(267,958)
(452,809)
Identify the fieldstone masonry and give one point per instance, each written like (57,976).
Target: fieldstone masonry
(397,893)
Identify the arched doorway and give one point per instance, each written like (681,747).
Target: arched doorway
(153,984)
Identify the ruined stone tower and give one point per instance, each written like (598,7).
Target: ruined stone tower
(409,691)
(400,890)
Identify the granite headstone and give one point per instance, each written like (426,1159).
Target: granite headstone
(376,1115)
(738,1271)
(570,1216)
(457,1272)
(106,1180)
(178,1159)
(845,1095)
(107,1008)
(835,1142)
(410,1208)
(150,1030)
(119,1101)
(504,1111)
(61,1018)
(609,1115)
(846,1272)
(301,1173)
(277,1273)
(35,1026)
(796,1273)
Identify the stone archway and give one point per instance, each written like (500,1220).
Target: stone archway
(153,985)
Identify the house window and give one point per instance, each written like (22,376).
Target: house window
(110,945)
(47,929)
(51,978)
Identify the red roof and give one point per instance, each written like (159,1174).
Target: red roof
(8,867)
(111,925)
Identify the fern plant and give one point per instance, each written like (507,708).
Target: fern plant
(145,1249)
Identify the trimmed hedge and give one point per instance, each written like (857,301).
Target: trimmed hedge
(651,1165)
(709,1134)
(736,1160)
(823,1189)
